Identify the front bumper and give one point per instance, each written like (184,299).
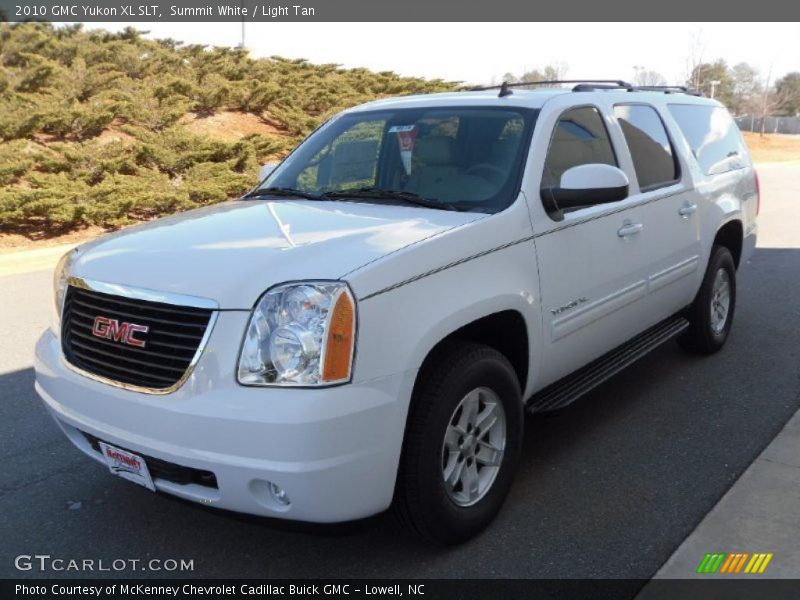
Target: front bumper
(334,450)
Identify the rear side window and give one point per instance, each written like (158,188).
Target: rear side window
(713,136)
(580,138)
(651,150)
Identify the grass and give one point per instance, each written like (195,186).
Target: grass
(773,147)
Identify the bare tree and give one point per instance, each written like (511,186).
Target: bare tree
(646,78)
(694,58)
(551,72)
(771,101)
(555,71)
(746,97)
(534,75)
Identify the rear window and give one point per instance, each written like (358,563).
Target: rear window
(713,136)
(649,144)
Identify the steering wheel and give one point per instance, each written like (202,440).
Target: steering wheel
(494,172)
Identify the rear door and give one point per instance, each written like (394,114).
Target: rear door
(669,209)
(592,264)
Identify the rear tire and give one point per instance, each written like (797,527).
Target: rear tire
(453,475)
(711,313)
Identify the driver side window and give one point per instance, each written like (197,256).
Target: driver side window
(580,138)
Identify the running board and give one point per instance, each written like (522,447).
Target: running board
(573,386)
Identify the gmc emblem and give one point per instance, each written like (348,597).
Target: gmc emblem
(112,329)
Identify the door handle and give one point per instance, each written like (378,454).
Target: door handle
(628,229)
(687,210)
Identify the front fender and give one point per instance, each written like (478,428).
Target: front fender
(398,328)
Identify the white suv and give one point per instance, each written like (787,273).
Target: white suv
(368,326)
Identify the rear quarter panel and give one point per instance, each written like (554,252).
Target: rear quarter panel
(721,198)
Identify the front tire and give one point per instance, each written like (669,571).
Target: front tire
(711,313)
(462,444)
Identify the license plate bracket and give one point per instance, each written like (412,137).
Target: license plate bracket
(127,465)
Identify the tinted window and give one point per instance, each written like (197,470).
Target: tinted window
(469,157)
(649,144)
(713,136)
(580,138)
(351,159)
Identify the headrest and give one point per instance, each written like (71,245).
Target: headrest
(435,150)
(504,149)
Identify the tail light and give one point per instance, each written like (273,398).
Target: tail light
(758,193)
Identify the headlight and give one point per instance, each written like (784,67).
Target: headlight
(60,278)
(300,334)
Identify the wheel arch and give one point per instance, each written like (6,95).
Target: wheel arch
(731,235)
(506,331)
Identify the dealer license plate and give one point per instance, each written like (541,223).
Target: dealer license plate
(127,465)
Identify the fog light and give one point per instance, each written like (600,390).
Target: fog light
(278,494)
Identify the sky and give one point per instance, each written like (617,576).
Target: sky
(483,52)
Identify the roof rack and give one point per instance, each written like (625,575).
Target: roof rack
(669,89)
(583,84)
(589,85)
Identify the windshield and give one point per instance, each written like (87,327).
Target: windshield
(461,158)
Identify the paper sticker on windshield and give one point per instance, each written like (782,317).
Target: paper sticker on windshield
(403,128)
(406,139)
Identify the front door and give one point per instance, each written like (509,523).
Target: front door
(593,263)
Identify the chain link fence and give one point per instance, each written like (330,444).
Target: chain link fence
(788,125)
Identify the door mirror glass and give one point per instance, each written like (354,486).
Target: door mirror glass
(585,185)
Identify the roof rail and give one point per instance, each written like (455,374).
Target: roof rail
(584,84)
(669,89)
(591,87)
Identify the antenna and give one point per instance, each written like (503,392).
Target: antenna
(504,90)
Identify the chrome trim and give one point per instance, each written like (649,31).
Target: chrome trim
(590,313)
(455,263)
(304,386)
(152,296)
(686,267)
(128,291)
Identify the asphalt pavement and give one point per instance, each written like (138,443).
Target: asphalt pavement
(608,488)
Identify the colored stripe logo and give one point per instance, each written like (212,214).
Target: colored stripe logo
(735,562)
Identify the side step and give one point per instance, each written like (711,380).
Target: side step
(573,386)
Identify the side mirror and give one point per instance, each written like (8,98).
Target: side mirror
(265,171)
(585,185)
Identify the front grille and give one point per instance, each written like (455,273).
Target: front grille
(162,469)
(172,339)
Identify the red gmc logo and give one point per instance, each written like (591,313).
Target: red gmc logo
(112,329)
(121,458)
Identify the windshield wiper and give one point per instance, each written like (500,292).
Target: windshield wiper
(382,194)
(281,191)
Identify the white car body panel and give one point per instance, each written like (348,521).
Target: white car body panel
(233,252)
(417,275)
(444,292)
(308,441)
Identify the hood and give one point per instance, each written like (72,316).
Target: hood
(233,252)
